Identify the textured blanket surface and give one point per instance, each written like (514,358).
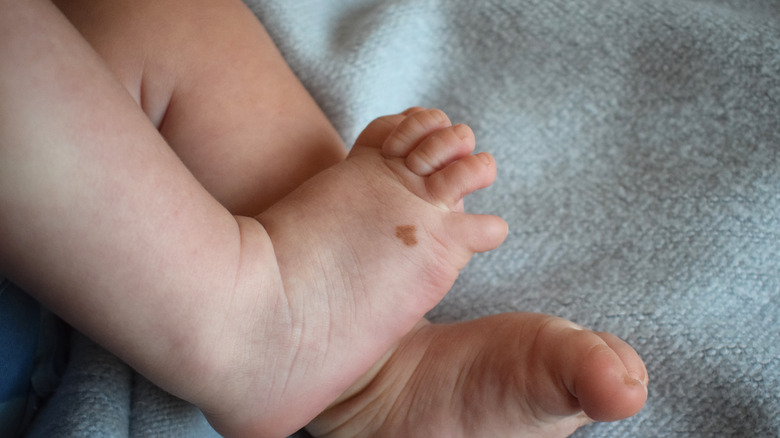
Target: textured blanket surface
(639,171)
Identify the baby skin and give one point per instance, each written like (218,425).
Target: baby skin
(362,251)
(266,321)
(511,375)
(506,375)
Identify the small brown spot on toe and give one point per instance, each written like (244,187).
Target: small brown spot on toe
(407,234)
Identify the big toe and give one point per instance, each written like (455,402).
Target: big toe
(603,373)
(611,383)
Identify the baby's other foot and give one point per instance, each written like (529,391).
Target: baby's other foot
(509,375)
(363,250)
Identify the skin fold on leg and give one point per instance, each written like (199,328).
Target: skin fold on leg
(209,77)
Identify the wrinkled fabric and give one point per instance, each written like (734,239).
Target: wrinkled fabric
(33,354)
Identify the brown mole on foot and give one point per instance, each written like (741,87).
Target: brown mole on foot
(407,234)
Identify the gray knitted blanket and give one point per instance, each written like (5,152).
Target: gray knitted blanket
(639,170)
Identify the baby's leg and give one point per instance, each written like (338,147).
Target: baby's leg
(210,78)
(217,119)
(262,324)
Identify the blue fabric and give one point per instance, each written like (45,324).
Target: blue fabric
(19,334)
(33,354)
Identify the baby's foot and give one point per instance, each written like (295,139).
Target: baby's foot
(364,250)
(509,375)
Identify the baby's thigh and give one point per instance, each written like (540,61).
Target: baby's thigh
(209,77)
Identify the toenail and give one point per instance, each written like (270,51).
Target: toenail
(633,381)
(439,116)
(462,131)
(485,157)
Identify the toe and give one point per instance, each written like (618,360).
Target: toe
(635,367)
(441,148)
(605,375)
(412,130)
(479,232)
(375,134)
(449,185)
(412,110)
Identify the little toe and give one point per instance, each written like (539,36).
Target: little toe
(412,130)
(449,185)
(441,148)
